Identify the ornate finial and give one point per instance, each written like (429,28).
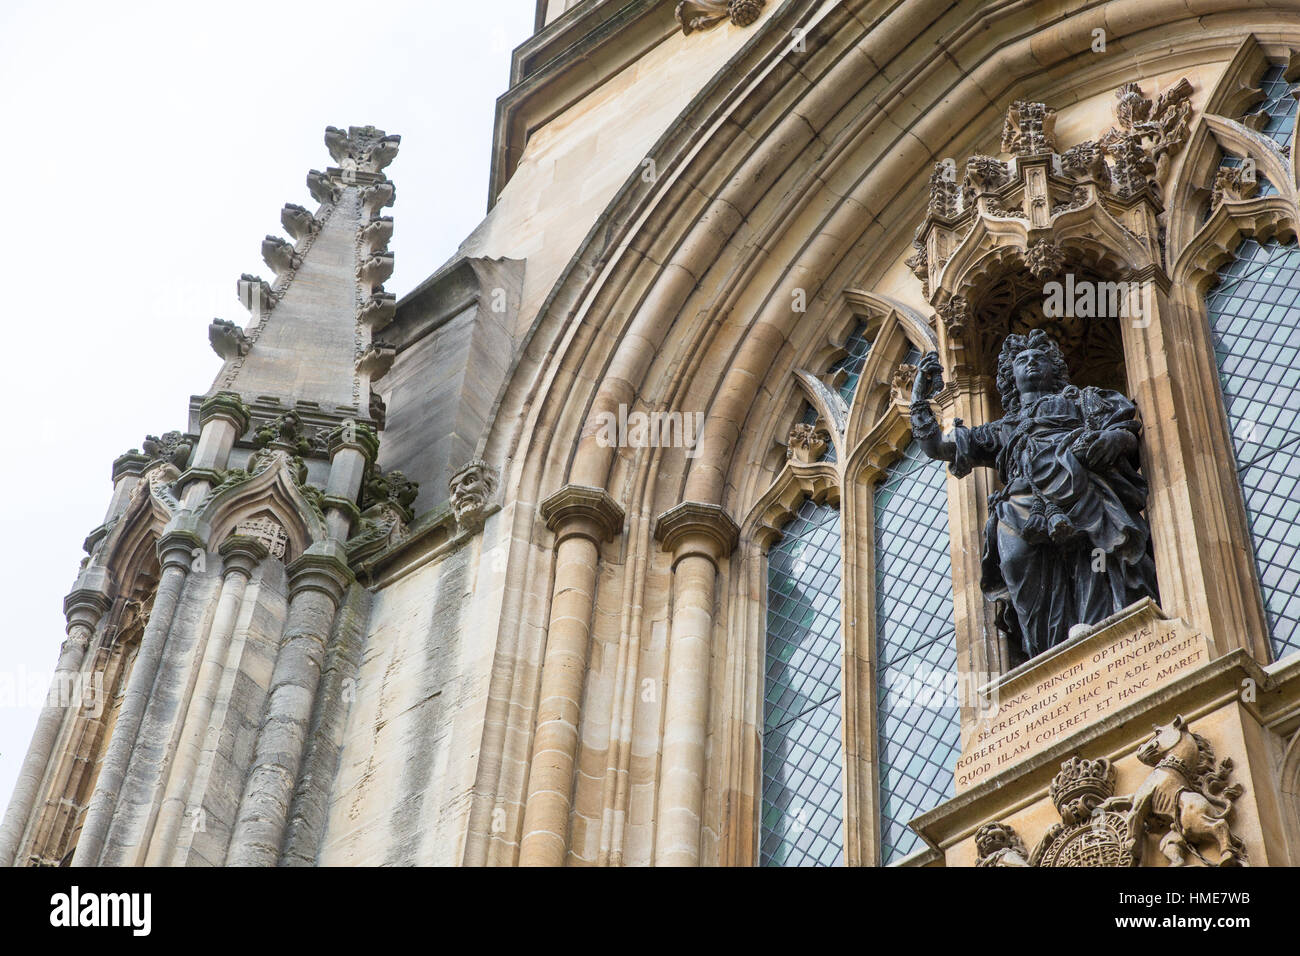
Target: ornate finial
(287,432)
(389,488)
(1149,134)
(172,448)
(1030,129)
(364,149)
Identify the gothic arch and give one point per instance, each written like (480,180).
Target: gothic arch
(680,299)
(274,491)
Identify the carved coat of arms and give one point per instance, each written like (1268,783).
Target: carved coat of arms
(1185,801)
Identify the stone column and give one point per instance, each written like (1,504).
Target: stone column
(699,536)
(176,551)
(223,417)
(241,554)
(83,609)
(127,469)
(581,518)
(353,447)
(317,581)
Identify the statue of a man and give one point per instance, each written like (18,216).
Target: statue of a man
(1066,541)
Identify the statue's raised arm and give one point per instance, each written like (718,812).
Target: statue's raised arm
(1066,541)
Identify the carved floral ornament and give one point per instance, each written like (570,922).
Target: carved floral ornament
(704,14)
(1184,804)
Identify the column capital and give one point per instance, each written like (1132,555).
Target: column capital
(227,405)
(319,570)
(357,436)
(85,606)
(243,553)
(695,527)
(582,510)
(176,547)
(129,463)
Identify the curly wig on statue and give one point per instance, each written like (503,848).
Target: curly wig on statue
(1013,346)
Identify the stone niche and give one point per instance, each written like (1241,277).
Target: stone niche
(1077,684)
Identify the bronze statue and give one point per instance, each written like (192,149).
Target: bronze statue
(1066,541)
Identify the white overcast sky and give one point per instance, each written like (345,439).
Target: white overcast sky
(151,147)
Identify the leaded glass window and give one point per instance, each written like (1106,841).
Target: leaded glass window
(1279,106)
(916,658)
(857,348)
(802,749)
(1255,325)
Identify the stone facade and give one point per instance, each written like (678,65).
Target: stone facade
(393,597)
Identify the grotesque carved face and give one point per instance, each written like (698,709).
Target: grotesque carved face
(1034,371)
(469,492)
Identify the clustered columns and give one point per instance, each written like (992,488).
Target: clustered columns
(317,581)
(83,609)
(176,550)
(581,518)
(699,536)
(241,555)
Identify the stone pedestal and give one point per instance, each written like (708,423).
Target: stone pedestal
(1076,684)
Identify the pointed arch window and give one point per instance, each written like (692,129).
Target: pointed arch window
(1254,314)
(802,815)
(905,743)
(918,720)
(1279,107)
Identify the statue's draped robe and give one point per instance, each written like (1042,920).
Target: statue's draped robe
(1100,558)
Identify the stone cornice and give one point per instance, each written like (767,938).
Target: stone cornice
(581,510)
(694,527)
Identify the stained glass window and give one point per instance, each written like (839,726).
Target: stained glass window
(916,658)
(1255,324)
(802,750)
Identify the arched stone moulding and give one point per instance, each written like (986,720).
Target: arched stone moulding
(784,173)
(1211,137)
(274,491)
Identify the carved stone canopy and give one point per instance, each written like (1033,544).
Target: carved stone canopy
(1040,201)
